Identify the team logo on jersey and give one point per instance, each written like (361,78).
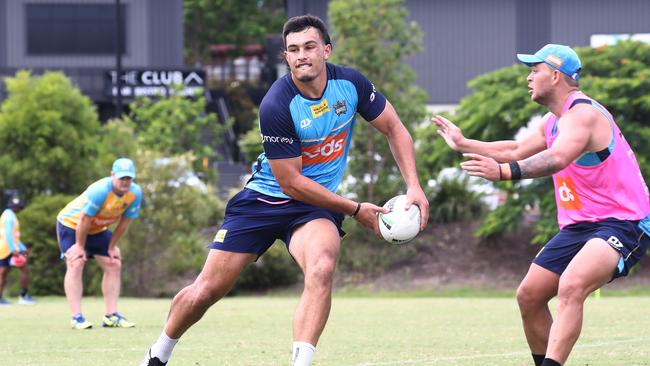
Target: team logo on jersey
(567,195)
(221,236)
(320,109)
(330,149)
(372,95)
(340,107)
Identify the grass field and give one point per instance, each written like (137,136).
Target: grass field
(362,331)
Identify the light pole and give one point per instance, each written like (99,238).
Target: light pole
(118,59)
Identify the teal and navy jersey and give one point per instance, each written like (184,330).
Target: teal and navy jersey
(320,130)
(102,205)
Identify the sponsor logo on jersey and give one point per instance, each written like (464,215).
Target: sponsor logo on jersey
(330,149)
(305,123)
(277,139)
(372,95)
(340,107)
(221,236)
(567,195)
(320,109)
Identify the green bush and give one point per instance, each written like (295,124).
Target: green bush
(276,268)
(166,242)
(455,201)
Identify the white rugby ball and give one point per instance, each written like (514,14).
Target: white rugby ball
(399,225)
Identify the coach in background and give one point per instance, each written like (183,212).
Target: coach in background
(601,197)
(306,121)
(82,232)
(13,252)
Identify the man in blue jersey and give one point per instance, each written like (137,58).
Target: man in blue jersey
(82,232)
(13,252)
(306,120)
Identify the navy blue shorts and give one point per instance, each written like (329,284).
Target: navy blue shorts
(626,237)
(96,244)
(253,221)
(5,262)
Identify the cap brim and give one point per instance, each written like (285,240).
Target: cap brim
(529,60)
(124,174)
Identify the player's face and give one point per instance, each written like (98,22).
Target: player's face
(540,83)
(121,185)
(306,54)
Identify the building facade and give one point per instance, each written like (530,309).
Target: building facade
(81,38)
(466,38)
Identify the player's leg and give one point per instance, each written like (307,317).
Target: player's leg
(4,269)
(593,266)
(315,247)
(111,280)
(536,289)
(218,276)
(72,281)
(25,298)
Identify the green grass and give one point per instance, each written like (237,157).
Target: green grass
(362,331)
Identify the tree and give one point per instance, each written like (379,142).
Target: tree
(47,135)
(167,241)
(376,37)
(617,76)
(175,125)
(236,22)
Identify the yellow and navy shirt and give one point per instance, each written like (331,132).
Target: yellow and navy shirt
(102,205)
(9,234)
(319,130)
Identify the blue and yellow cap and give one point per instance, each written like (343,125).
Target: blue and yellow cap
(560,57)
(123,167)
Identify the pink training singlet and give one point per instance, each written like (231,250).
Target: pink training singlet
(597,186)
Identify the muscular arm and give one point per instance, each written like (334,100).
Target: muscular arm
(574,137)
(401,146)
(501,151)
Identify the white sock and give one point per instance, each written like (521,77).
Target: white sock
(302,354)
(163,347)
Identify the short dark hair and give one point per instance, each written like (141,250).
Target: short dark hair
(298,23)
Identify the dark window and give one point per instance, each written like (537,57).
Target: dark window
(74,29)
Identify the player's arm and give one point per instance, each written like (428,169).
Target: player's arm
(401,146)
(574,136)
(575,129)
(288,173)
(119,231)
(81,231)
(9,234)
(501,151)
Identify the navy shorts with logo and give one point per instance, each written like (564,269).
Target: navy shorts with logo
(96,244)
(624,236)
(253,221)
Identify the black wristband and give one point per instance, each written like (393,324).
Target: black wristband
(356,211)
(515,171)
(500,172)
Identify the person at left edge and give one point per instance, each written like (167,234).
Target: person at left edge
(82,232)
(13,252)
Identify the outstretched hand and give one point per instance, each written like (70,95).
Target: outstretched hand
(449,131)
(481,166)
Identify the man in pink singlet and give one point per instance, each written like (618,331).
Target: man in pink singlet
(602,199)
